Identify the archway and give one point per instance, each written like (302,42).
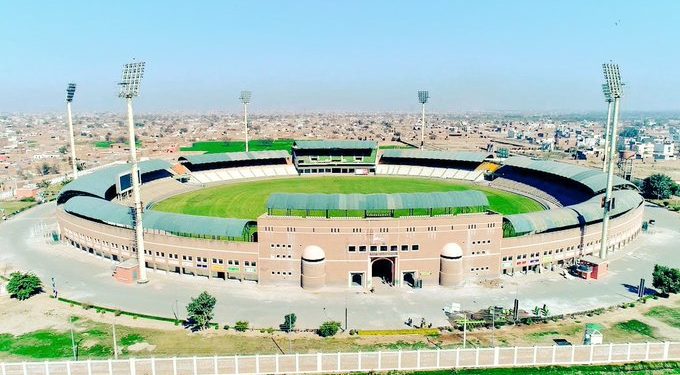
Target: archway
(383,268)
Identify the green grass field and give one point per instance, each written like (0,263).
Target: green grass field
(237,146)
(247,200)
(12,207)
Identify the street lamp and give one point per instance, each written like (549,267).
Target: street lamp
(245,99)
(129,88)
(70,91)
(423,96)
(612,78)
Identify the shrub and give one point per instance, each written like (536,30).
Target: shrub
(241,326)
(226,327)
(328,329)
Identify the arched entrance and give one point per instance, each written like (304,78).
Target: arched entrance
(383,268)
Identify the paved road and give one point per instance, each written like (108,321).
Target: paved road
(352,362)
(88,278)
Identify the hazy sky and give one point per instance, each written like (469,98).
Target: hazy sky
(323,55)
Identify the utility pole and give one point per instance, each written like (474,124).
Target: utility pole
(464,329)
(115,340)
(245,99)
(613,81)
(73,339)
(70,91)
(608,98)
(129,88)
(423,96)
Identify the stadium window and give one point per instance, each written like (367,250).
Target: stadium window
(394,248)
(383,248)
(374,248)
(404,247)
(362,248)
(415,247)
(352,249)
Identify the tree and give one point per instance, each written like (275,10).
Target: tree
(241,326)
(23,285)
(328,329)
(43,184)
(658,186)
(666,279)
(63,149)
(630,132)
(200,310)
(289,322)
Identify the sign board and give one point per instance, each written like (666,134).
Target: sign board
(124,181)
(234,269)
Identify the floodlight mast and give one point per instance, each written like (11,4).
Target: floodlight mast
(245,99)
(129,88)
(423,96)
(612,78)
(70,92)
(608,98)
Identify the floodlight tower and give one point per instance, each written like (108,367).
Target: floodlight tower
(129,88)
(70,91)
(423,96)
(245,99)
(608,98)
(612,78)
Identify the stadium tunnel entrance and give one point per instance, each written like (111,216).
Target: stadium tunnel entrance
(383,269)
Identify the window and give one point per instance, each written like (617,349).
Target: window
(383,248)
(394,248)
(362,248)
(415,247)
(404,247)
(352,249)
(374,248)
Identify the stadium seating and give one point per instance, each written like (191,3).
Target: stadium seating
(506,184)
(239,173)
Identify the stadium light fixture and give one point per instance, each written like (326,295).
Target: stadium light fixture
(423,97)
(129,88)
(245,99)
(608,98)
(70,92)
(614,88)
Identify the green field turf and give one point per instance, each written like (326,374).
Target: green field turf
(247,200)
(237,146)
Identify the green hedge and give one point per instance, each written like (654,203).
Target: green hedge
(121,312)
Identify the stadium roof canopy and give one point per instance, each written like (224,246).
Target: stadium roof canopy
(323,202)
(115,214)
(233,156)
(593,179)
(468,156)
(587,212)
(97,182)
(334,145)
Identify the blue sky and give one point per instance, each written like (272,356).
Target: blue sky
(364,56)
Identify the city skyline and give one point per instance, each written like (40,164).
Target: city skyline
(355,57)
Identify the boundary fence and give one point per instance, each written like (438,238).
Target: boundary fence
(411,360)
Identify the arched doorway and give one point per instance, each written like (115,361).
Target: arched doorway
(383,268)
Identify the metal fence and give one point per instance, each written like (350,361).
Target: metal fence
(357,361)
